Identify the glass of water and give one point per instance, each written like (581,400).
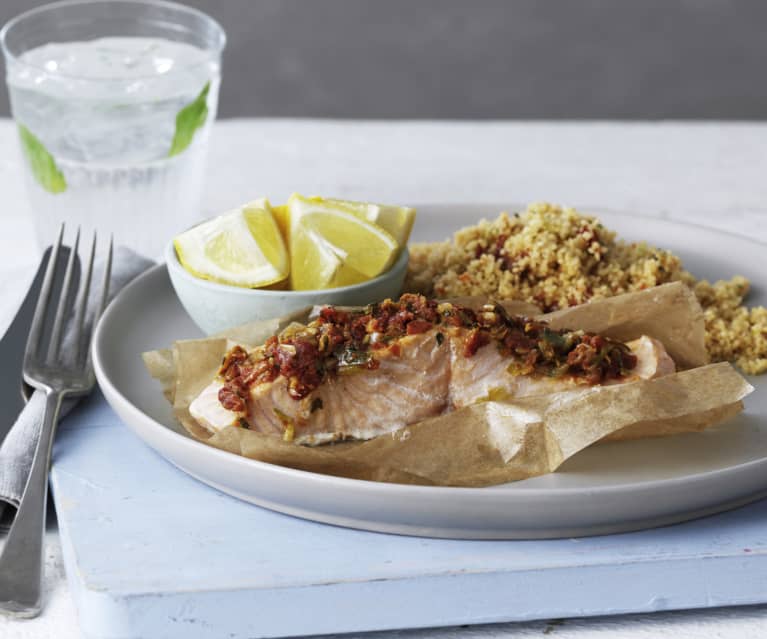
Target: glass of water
(114,101)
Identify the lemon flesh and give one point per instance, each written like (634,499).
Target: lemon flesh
(332,246)
(282,217)
(242,248)
(396,220)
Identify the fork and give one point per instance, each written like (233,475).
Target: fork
(45,369)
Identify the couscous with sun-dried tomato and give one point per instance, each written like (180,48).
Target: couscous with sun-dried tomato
(556,257)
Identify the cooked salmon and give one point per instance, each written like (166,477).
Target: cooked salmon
(357,375)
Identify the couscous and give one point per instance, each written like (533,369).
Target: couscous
(555,257)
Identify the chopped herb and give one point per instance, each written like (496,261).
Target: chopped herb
(554,338)
(244,423)
(316,404)
(440,338)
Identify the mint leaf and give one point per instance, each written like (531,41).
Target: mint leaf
(41,162)
(188,120)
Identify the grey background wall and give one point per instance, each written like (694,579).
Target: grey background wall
(489,58)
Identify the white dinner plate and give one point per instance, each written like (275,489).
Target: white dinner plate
(604,489)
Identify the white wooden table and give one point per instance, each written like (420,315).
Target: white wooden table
(707,173)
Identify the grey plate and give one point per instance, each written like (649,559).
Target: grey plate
(607,488)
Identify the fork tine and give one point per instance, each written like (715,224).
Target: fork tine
(38,320)
(61,310)
(82,303)
(105,282)
(85,340)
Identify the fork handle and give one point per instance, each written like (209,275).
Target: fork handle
(21,563)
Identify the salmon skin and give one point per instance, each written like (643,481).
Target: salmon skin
(361,374)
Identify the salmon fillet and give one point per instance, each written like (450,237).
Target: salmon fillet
(360,375)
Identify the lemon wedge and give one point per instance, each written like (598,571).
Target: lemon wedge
(331,245)
(396,220)
(282,217)
(243,247)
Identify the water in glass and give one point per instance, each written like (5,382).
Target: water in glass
(107,121)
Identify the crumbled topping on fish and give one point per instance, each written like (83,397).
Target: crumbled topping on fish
(341,342)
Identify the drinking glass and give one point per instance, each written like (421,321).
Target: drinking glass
(114,101)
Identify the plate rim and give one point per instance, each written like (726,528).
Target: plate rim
(491,492)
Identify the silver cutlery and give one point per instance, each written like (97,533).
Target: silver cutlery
(12,389)
(12,347)
(57,373)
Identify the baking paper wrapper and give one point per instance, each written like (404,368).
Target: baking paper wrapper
(494,442)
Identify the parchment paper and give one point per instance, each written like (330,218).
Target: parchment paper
(495,441)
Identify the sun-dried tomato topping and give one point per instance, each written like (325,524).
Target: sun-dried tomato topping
(476,339)
(418,326)
(343,341)
(231,399)
(230,367)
